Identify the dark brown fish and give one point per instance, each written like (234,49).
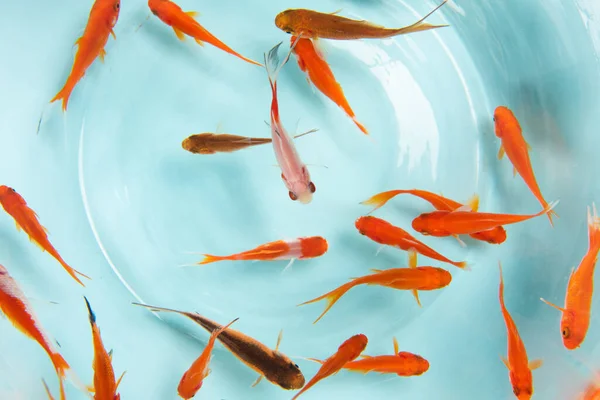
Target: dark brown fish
(314,24)
(271,364)
(212,143)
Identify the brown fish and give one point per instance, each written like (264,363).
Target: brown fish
(212,143)
(276,367)
(314,24)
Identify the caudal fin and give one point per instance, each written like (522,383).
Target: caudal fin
(208,258)
(63,95)
(72,271)
(61,366)
(362,128)
(549,211)
(593,227)
(331,297)
(421,25)
(380,199)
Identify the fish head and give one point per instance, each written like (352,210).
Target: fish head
(189,386)
(285,21)
(9,195)
(354,346)
(503,116)
(287,374)
(421,224)
(522,384)
(302,188)
(572,330)
(197,144)
(366,224)
(421,364)
(314,246)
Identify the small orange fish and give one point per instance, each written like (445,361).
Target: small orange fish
(183,23)
(401,363)
(413,278)
(578,300)
(314,24)
(319,73)
(26,219)
(192,379)
(212,143)
(15,307)
(103,18)
(300,249)
(105,387)
(385,233)
(509,131)
(348,351)
(518,365)
(454,223)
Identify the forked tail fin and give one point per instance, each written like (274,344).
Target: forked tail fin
(593,227)
(331,297)
(549,211)
(380,199)
(421,25)
(64,95)
(61,366)
(208,258)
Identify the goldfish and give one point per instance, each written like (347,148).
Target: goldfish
(105,386)
(401,363)
(192,379)
(517,363)
(348,351)
(301,248)
(578,300)
(16,308)
(319,73)
(496,235)
(314,24)
(274,366)
(212,143)
(515,147)
(385,233)
(183,23)
(294,172)
(452,223)
(26,219)
(413,278)
(101,21)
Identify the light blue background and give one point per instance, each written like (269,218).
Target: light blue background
(427,100)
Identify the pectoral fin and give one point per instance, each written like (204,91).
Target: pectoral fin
(279,340)
(364,356)
(396,347)
(120,378)
(501,152)
(505,361)
(535,364)
(416,295)
(200,42)
(101,54)
(113,34)
(257,381)
(192,14)
(514,171)
(336,12)
(179,34)
(412,258)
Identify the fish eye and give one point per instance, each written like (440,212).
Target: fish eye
(117,6)
(293,195)
(566,332)
(312,187)
(13,190)
(296,365)
(494,119)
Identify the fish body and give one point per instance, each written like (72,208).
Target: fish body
(276,367)
(299,249)
(212,143)
(577,308)
(319,73)
(348,351)
(385,233)
(16,308)
(101,21)
(294,172)
(515,147)
(25,218)
(183,23)
(192,379)
(517,362)
(448,223)
(313,24)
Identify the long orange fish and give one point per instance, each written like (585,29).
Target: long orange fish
(103,18)
(576,312)
(385,233)
(192,379)
(519,367)
(319,73)
(183,23)
(348,351)
(27,219)
(401,363)
(441,203)
(515,147)
(413,278)
(15,307)
(105,386)
(452,223)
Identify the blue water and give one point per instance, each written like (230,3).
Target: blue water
(126,205)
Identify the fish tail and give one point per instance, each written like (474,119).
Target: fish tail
(549,211)
(208,258)
(64,94)
(362,128)
(331,297)
(61,366)
(593,227)
(421,25)
(380,199)
(72,271)
(462,265)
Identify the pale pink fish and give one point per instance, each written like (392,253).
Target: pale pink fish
(294,172)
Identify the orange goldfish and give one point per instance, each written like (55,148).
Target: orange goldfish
(103,18)
(26,219)
(453,223)
(517,363)
(15,307)
(192,379)
(401,363)
(413,278)
(105,386)
(301,248)
(385,233)
(314,24)
(509,131)
(348,351)
(578,300)
(319,73)
(183,23)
